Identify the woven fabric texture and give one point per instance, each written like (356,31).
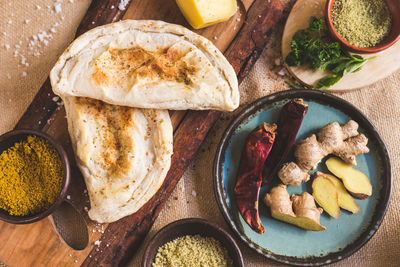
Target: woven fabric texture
(26,61)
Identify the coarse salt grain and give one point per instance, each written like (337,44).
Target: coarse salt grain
(9,22)
(38,7)
(123,4)
(194,193)
(112,7)
(97,243)
(7,46)
(24,74)
(68,197)
(57,7)
(27,21)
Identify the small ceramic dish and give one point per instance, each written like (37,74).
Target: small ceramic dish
(7,140)
(192,226)
(391,39)
(283,242)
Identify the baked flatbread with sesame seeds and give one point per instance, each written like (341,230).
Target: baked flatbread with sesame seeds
(147,64)
(123,153)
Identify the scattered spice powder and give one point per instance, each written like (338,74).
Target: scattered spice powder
(31,176)
(362,23)
(190,251)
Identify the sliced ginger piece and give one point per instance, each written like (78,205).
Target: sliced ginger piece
(345,200)
(305,215)
(326,195)
(355,181)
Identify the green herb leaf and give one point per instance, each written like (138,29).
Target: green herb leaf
(314,47)
(327,81)
(295,85)
(354,67)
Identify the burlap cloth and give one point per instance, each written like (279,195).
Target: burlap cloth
(21,78)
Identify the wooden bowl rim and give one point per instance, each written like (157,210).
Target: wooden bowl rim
(380,47)
(66,179)
(231,245)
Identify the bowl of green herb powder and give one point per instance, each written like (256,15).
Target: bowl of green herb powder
(364,26)
(192,242)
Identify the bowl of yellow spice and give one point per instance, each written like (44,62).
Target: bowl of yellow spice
(34,176)
(364,26)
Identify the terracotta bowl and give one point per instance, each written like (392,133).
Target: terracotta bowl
(192,226)
(7,140)
(391,39)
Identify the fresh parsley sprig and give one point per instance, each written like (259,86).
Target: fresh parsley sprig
(314,47)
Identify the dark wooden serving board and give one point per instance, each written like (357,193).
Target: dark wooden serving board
(242,39)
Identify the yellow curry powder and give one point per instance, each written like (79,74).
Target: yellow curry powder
(31,176)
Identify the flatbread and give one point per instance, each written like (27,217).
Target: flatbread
(147,64)
(123,153)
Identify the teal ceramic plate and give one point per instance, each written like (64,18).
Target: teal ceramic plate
(286,243)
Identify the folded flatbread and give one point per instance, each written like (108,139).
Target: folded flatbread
(116,82)
(147,64)
(123,153)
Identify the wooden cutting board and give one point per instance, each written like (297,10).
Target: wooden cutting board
(242,39)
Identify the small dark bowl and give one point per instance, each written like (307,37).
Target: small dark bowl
(192,226)
(391,39)
(7,140)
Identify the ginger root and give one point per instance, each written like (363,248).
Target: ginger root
(326,195)
(345,200)
(356,182)
(299,210)
(343,141)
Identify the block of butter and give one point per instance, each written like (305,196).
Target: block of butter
(203,13)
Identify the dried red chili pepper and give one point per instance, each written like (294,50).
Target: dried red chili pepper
(290,119)
(248,182)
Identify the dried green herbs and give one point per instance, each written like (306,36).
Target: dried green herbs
(362,23)
(314,47)
(191,251)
